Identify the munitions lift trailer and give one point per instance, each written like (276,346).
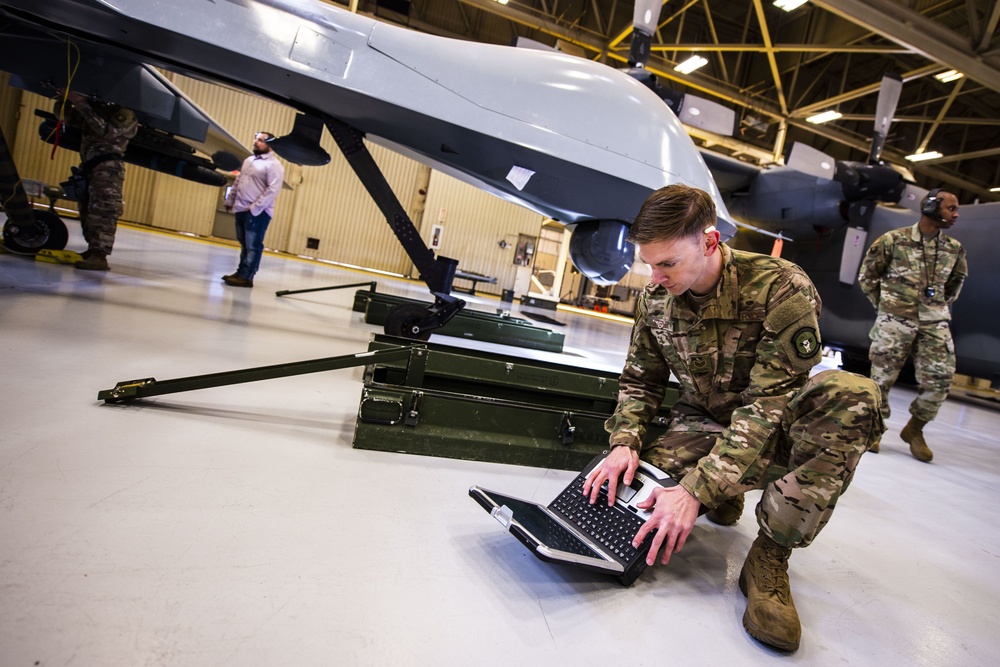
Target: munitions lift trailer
(437,400)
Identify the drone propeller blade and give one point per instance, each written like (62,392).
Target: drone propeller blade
(860,216)
(809,160)
(911,197)
(888,98)
(645,18)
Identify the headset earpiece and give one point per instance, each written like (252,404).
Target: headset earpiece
(931,205)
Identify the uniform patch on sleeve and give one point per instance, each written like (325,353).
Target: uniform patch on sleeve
(806,342)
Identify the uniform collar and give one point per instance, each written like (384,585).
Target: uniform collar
(918,237)
(725,305)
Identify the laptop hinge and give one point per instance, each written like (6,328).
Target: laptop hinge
(503,514)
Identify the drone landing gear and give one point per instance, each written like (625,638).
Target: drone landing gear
(416,321)
(46,232)
(26,231)
(408,320)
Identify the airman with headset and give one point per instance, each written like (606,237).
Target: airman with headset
(912,276)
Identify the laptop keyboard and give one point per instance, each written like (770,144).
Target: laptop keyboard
(613,527)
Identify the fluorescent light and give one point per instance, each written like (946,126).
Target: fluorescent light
(824,117)
(502,2)
(994,189)
(949,76)
(691,64)
(919,157)
(789,5)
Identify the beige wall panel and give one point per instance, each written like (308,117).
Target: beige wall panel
(475,223)
(137,194)
(183,206)
(334,207)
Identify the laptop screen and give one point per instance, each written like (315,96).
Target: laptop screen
(545,528)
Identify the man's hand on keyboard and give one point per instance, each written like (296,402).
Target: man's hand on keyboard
(621,459)
(674,513)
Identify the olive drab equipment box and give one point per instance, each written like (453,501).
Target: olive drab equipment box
(488,327)
(481,406)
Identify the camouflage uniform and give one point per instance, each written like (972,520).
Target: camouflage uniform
(895,275)
(107,130)
(749,416)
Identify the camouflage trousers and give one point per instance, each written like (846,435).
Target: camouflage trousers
(930,343)
(805,466)
(102,206)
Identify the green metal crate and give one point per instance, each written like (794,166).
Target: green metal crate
(472,405)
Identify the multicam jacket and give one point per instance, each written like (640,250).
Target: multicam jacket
(739,360)
(900,267)
(106,129)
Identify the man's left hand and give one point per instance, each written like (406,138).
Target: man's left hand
(674,513)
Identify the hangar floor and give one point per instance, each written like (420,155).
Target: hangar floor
(237,525)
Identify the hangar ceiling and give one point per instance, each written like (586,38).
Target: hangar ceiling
(776,68)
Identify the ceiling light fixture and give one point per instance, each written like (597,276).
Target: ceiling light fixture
(920,157)
(789,5)
(994,189)
(824,117)
(949,76)
(691,64)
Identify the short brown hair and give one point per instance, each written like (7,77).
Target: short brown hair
(672,212)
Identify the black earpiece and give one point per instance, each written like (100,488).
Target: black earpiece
(931,205)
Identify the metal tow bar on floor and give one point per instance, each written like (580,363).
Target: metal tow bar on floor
(285,292)
(133,389)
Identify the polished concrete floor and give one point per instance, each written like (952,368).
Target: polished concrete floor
(238,526)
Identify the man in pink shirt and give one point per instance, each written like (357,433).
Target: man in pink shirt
(252,199)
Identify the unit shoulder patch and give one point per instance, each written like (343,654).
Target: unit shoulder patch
(806,342)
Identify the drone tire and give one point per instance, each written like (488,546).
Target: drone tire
(48,233)
(402,320)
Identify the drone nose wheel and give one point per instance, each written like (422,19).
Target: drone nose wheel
(48,232)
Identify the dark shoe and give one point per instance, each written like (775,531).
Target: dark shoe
(770,616)
(913,435)
(237,281)
(728,513)
(87,254)
(96,261)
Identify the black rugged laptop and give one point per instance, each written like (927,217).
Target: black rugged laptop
(571,530)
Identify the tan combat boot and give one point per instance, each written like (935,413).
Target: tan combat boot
(913,434)
(770,615)
(728,513)
(94,261)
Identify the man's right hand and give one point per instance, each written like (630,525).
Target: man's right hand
(621,460)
